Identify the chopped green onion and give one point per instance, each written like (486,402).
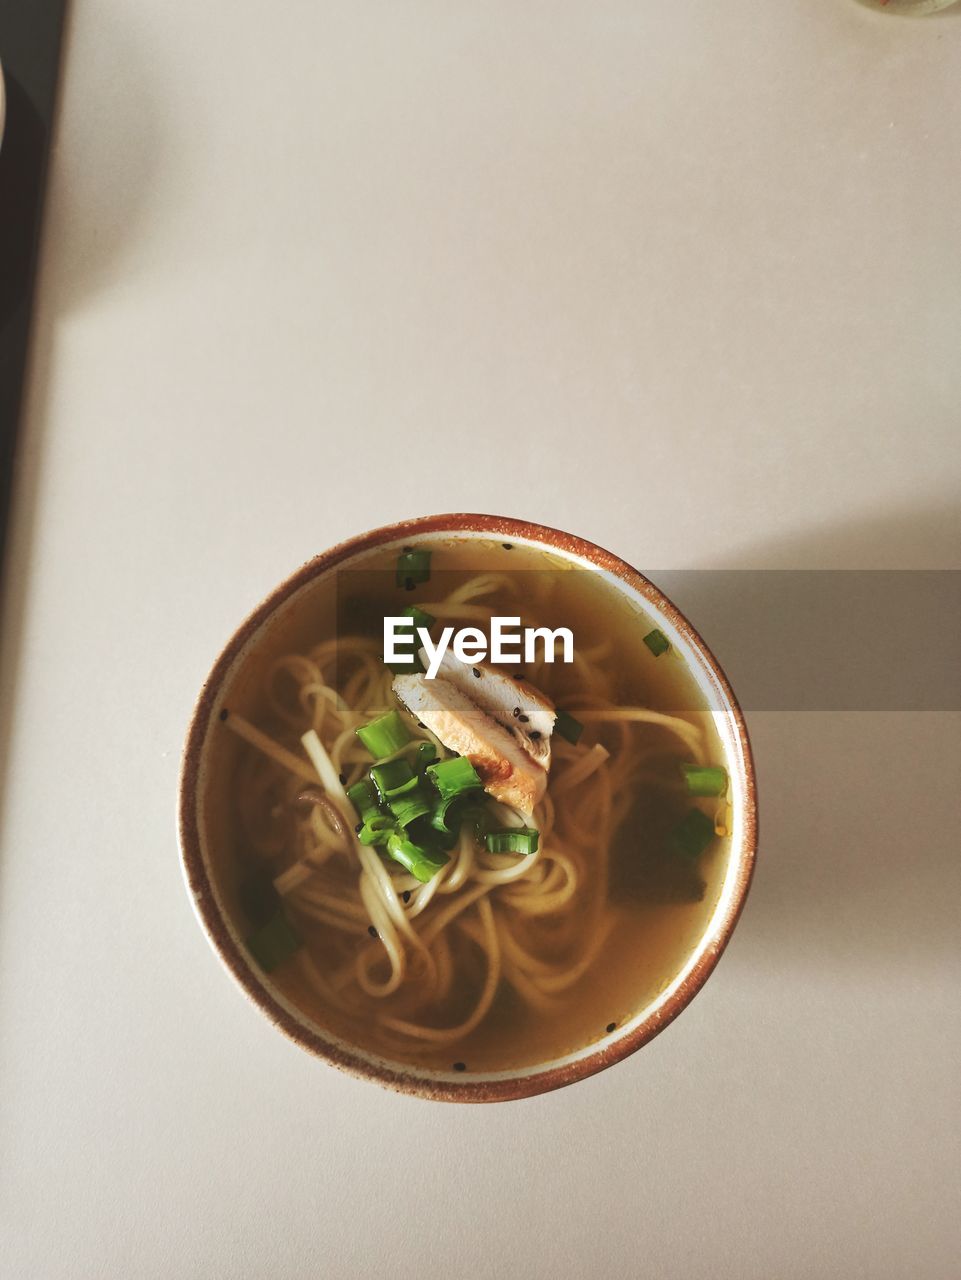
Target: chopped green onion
(512,840)
(411,665)
(657,642)
(364,799)
(406,808)
(694,833)
(442,819)
(391,774)
(419,617)
(407,788)
(376,829)
(452,777)
(423,864)
(376,826)
(413,566)
(568,727)
(424,833)
(705,779)
(274,942)
(426,754)
(385,735)
(391,777)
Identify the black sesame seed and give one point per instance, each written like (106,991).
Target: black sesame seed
(460,1066)
(224,714)
(358,828)
(372,931)
(343,778)
(406,895)
(508,546)
(534,735)
(612,1026)
(421,725)
(477,674)
(523,719)
(409,584)
(519,675)
(517,712)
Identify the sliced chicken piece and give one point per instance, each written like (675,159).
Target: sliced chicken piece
(524,711)
(505,769)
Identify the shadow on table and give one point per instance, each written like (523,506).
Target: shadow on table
(858,778)
(18,552)
(22,170)
(110,153)
(92,227)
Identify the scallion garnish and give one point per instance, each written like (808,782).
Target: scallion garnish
(523,840)
(364,799)
(426,754)
(392,777)
(453,777)
(444,815)
(376,829)
(413,566)
(694,833)
(407,807)
(274,942)
(657,642)
(417,618)
(568,727)
(411,667)
(705,779)
(422,863)
(385,735)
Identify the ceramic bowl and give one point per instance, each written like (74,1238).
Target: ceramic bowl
(202,821)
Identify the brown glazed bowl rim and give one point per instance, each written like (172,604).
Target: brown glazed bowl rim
(494,1087)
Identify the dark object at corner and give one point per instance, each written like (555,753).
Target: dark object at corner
(30,35)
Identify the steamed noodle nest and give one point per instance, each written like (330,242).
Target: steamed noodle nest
(442,949)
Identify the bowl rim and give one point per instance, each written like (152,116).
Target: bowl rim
(505,1086)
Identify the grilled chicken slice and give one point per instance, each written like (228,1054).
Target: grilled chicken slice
(525,712)
(506,770)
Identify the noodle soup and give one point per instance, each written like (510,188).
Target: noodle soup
(487,949)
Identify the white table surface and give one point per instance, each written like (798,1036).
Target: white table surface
(683,278)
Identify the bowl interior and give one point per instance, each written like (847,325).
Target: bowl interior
(302,609)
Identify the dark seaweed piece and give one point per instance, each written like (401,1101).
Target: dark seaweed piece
(646,866)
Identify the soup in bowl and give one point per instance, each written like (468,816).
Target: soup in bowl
(468,808)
